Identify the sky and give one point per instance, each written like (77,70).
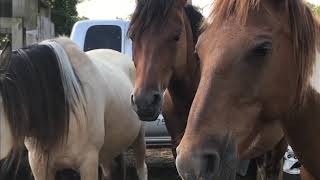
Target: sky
(112,9)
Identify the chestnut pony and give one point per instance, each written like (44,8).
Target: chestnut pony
(257,59)
(164,34)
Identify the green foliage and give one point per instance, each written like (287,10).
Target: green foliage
(314,8)
(82,18)
(3,39)
(64,15)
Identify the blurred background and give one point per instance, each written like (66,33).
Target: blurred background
(35,20)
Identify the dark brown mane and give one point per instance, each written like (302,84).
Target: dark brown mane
(196,20)
(302,31)
(148,12)
(34,98)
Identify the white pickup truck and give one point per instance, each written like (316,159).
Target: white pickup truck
(112,34)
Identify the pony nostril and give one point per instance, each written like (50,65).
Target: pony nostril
(211,164)
(156,99)
(132,100)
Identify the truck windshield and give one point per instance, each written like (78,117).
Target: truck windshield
(103,37)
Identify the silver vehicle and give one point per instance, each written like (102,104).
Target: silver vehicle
(112,34)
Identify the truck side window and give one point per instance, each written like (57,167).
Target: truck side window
(103,37)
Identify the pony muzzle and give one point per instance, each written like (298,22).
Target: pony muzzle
(148,105)
(206,160)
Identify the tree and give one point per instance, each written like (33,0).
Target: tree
(64,15)
(314,8)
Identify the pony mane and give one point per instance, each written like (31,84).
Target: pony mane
(239,9)
(302,32)
(148,12)
(196,20)
(39,90)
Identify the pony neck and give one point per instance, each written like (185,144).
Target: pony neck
(184,85)
(303,129)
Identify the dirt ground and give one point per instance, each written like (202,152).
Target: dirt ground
(160,165)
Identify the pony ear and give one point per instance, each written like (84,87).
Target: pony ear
(5,56)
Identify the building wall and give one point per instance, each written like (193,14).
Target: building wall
(13,26)
(44,9)
(45,12)
(45,30)
(5,8)
(29,23)
(26,9)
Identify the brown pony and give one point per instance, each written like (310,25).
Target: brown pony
(257,58)
(164,34)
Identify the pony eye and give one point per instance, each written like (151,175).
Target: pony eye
(262,49)
(176,37)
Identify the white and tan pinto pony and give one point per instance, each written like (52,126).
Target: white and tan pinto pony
(71,109)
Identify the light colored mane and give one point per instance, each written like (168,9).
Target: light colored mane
(72,88)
